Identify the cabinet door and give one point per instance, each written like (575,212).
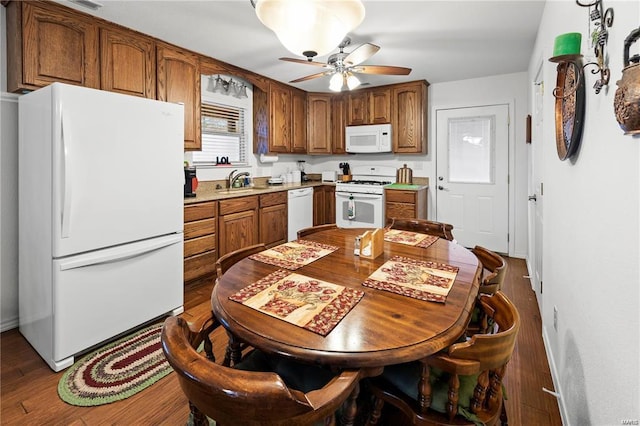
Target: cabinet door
(358,108)
(299,121)
(329,204)
(409,117)
(178,81)
(127,63)
(237,230)
(58,46)
(273,225)
(319,124)
(338,123)
(280,109)
(380,106)
(318,206)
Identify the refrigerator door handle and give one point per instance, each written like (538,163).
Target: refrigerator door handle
(66,174)
(118,255)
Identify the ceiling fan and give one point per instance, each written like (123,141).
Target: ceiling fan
(342,66)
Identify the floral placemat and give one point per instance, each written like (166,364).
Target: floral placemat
(294,254)
(420,279)
(309,303)
(409,238)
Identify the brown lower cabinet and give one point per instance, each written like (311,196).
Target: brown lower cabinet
(200,237)
(273,218)
(405,204)
(237,223)
(324,205)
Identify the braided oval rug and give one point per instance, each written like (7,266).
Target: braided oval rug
(116,371)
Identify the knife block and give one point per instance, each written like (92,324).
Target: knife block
(374,239)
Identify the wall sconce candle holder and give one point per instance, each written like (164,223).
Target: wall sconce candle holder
(600,36)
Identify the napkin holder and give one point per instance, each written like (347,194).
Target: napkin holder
(372,244)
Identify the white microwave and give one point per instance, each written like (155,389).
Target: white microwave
(369,138)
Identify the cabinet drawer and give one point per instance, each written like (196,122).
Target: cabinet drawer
(396,196)
(400,210)
(236,205)
(199,211)
(273,199)
(199,245)
(199,265)
(199,228)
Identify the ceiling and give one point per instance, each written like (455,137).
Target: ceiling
(439,40)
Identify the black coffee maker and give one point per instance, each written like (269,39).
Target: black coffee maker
(190,182)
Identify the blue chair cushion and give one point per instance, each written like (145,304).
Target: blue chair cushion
(298,376)
(406,377)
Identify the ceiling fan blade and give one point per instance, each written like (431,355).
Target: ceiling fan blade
(381,69)
(361,54)
(304,61)
(309,77)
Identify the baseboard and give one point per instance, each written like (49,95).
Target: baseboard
(9,324)
(555,377)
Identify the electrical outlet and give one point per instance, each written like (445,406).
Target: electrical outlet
(555,318)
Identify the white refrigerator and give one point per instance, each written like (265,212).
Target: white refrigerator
(100,217)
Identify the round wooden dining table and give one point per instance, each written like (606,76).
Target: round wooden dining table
(383,328)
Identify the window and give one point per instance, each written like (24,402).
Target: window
(223,134)
(471,149)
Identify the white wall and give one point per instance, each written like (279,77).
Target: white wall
(591,237)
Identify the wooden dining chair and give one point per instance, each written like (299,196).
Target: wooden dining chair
(430,227)
(460,385)
(235,346)
(313,229)
(494,270)
(262,393)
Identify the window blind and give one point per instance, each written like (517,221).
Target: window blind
(223,134)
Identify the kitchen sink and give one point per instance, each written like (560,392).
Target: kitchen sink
(234,190)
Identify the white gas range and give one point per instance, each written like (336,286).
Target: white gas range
(360,201)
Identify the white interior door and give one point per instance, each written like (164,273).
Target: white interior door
(472,189)
(535,215)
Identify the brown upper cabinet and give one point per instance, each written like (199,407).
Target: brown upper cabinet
(48,43)
(319,123)
(279,119)
(409,119)
(338,123)
(127,62)
(369,106)
(280,109)
(178,81)
(298,121)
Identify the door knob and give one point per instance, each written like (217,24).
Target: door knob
(440,187)
(532,197)
(440,178)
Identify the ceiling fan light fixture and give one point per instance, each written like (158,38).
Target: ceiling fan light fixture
(336,82)
(305,27)
(352,81)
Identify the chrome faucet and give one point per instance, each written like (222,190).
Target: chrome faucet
(230,177)
(233,179)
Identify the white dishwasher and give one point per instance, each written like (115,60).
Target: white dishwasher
(300,211)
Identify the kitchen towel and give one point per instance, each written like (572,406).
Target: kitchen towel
(351,208)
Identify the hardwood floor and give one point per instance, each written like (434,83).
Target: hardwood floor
(28,388)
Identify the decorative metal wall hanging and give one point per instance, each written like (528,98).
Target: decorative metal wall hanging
(600,35)
(569,93)
(569,109)
(627,100)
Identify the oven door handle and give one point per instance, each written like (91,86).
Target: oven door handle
(357,195)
